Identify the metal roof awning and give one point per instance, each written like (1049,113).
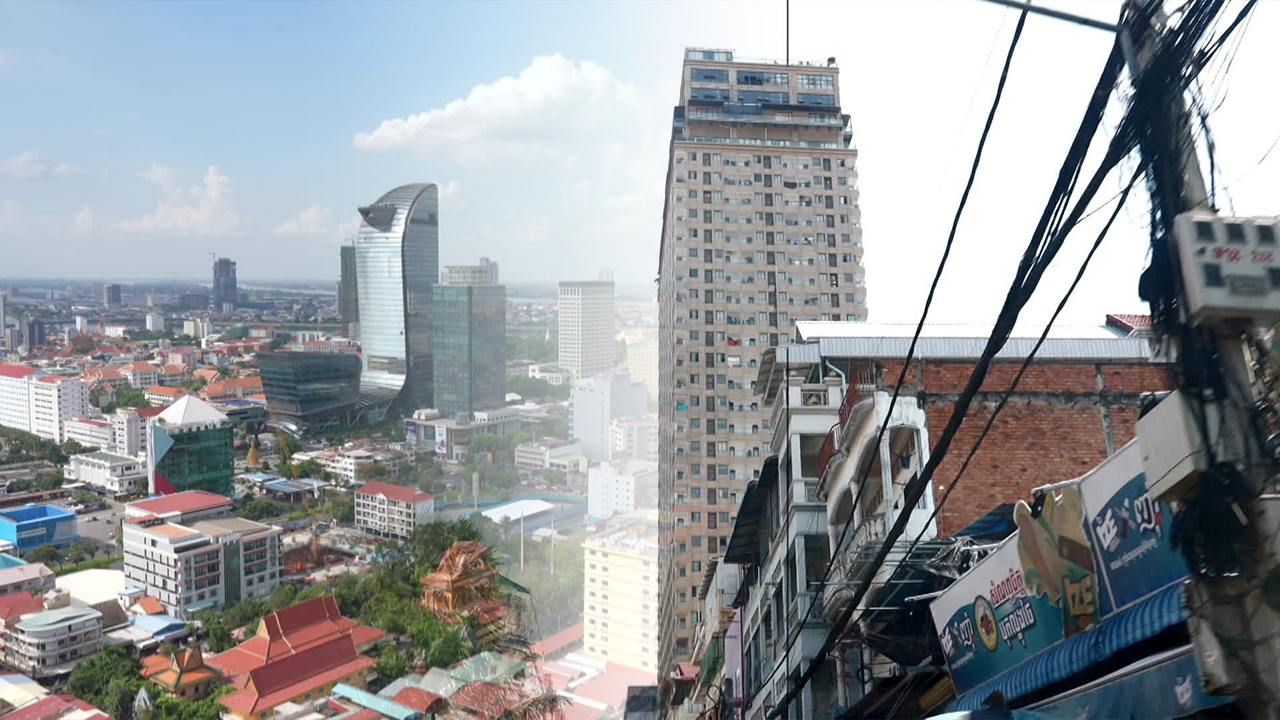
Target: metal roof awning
(742,543)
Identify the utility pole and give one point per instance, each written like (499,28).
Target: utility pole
(1233,625)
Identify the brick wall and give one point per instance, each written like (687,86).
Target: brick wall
(1064,419)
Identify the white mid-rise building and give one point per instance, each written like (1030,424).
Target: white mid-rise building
(553,454)
(109,472)
(392,511)
(622,488)
(155,322)
(553,374)
(586,327)
(185,551)
(91,432)
(15,396)
(55,400)
(593,404)
(129,430)
(141,374)
(634,438)
(82,325)
(50,642)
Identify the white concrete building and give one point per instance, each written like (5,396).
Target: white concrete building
(551,455)
(55,400)
(109,472)
(586,327)
(161,395)
(623,488)
(50,642)
(634,438)
(594,402)
(392,511)
(185,551)
(91,432)
(552,373)
(82,325)
(141,374)
(15,396)
(129,430)
(197,328)
(116,330)
(155,322)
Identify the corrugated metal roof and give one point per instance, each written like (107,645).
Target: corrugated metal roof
(965,348)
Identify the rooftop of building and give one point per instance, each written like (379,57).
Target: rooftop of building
(11,370)
(166,390)
(23,572)
(517,509)
(183,502)
(400,493)
(230,525)
(93,586)
(635,532)
(18,604)
(86,420)
(104,456)
(727,55)
(47,619)
(58,707)
(292,675)
(190,410)
(34,513)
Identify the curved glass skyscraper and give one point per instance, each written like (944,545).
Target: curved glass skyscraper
(397,262)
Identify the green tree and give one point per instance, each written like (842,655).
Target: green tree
(51,480)
(108,680)
(392,665)
(553,428)
(531,388)
(48,555)
(283,596)
(343,509)
(127,397)
(307,469)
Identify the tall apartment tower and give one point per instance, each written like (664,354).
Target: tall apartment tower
(760,229)
(586,327)
(111,295)
(348,289)
(224,284)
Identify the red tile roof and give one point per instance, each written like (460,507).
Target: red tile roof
(421,700)
(57,706)
(1129,322)
(183,502)
(149,605)
(395,492)
(139,366)
(165,390)
(291,630)
(18,604)
(15,371)
(147,412)
(293,675)
(559,641)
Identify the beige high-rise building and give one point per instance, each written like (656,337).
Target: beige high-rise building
(620,593)
(760,229)
(586,327)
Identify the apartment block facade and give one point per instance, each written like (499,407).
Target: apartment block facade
(586,327)
(55,400)
(620,593)
(761,229)
(51,642)
(391,511)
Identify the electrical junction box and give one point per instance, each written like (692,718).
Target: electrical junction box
(1230,267)
(1172,446)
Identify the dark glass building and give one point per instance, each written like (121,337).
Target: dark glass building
(190,447)
(348,297)
(469,341)
(312,387)
(224,283)
(397,262)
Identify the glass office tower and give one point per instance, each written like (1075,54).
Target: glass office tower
(469,342)
(311,387)
(397,262)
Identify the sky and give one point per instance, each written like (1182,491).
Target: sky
(137,139)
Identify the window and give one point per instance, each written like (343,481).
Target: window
(712,76)
(816,82)
(822,99)
(714,94)
(764,96)
(748,77)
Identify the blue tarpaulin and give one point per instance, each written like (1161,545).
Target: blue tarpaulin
(1167,686)
(1140,621)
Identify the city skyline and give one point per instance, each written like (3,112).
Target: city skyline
(143,169)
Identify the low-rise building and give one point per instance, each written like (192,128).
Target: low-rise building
(553,374)
(617,489)
(450,437)
(106,375)
(232,389)
(162,396)
(60,707)
(51,642)
(563,455)
(348,462)
(620,595)
(19,576)
(31,526)
(183,674)
(391,511)
(190,556)
(299,678)
(91,432)
(108,472)
(172,374)
(141,374)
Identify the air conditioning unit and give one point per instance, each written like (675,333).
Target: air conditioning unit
(1230,267)
(1171,441)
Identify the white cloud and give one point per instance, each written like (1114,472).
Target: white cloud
(35,165)
(83,221)
(205,209)
(553,99)
(104,133)
(315,220)
(451,196)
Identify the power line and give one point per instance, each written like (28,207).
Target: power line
(902,375)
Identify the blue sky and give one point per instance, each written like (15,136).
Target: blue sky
(136,138)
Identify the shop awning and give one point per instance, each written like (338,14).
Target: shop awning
(1140,621)
(742,543)
(1162,686)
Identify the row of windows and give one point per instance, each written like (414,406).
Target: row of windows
(809,81)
